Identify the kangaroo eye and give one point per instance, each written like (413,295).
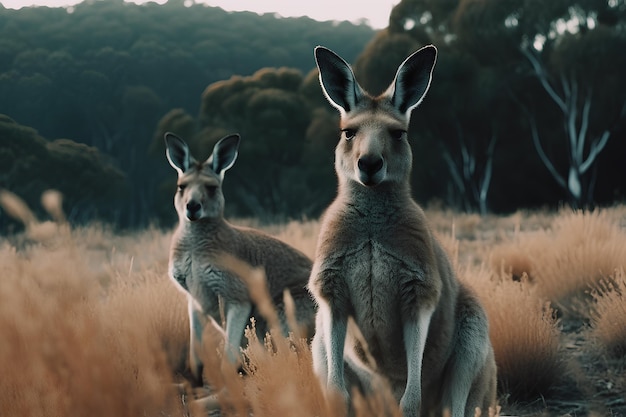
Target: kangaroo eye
(349,133)
(397,134)
(211,189)
(181,187)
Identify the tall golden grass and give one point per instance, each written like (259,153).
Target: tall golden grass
(84,329)
(523,327)
(569,258)
(72,347)
(90,324)
(609,313)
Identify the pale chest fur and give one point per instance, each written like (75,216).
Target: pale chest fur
(375,277)
(378,265)
(193,265)
(374,274)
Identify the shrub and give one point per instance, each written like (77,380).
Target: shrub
(609,313)
(524,333)
(577,252)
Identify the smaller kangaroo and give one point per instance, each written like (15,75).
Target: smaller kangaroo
(201,239)
(378,262)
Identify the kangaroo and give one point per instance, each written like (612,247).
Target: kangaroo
(378,262)
(202,238)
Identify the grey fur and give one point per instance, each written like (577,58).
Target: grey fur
(203,238)
(378,262)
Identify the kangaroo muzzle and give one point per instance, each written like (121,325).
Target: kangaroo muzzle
(371,170)
(193,210)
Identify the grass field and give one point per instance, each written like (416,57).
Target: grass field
(91,325)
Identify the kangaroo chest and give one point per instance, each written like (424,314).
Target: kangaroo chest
(376,264)
(196,270)
(376,277)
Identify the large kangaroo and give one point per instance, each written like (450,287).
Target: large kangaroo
(378,262)
(204,237)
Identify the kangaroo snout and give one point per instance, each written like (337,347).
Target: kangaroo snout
(193,210)
(371,169)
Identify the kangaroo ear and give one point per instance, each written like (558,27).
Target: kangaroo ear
(224,154)
(412,80)
(177,153)
(337,80)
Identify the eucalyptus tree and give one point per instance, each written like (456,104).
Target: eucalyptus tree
(573,52)
(544,73)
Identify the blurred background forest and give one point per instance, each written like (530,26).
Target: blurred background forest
(527,108)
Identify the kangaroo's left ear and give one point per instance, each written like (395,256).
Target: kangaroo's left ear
(177,153)
(412,80)
(224,154)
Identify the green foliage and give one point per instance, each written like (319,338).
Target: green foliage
(484,90)
(104,73)
(117,76)
(275,174)
(29,165)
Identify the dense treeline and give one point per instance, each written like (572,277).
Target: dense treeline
(103,73)
(29,164)
(527,107)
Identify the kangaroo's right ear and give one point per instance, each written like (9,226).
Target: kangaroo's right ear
(177,153)
(337,80)
(224,154)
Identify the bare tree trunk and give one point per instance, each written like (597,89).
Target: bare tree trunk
(576,127)
(472,188)
(486,180)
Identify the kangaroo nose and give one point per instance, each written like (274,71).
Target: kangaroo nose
(193,208)
(370,164)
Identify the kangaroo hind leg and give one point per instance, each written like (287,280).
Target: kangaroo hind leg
(470,375)
(197,321)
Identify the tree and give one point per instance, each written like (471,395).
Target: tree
(572,48)
(272,117)
(504,72)
(465,113)
(106,72)
(576,92)
(29,164)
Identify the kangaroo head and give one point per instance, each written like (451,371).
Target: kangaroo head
(199,194)
(374,148)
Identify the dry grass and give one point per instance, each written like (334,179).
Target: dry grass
(609,314)
(91,325)
(524,330)
(524,333)
(300,235)
(83,332)
(569,258)
(67,349)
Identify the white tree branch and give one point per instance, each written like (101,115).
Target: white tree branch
(570,114)
(584,124)
(576,125)
(596,148)
(467,159)
(544,158)
(543,78)
(454,170)
(486,181)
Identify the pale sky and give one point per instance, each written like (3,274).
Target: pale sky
(376,12)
